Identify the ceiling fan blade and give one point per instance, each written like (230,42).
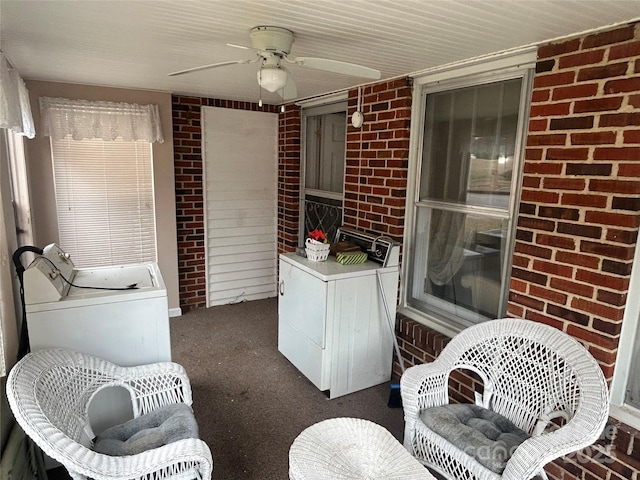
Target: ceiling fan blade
(213,65)
(336,66)
(236,45)
(289,91)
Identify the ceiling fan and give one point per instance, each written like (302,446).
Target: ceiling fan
(272,46)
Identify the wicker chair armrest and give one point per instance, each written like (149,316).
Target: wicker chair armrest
(149,464)
(157,384)
(155,370)
(422,386)
(537,451)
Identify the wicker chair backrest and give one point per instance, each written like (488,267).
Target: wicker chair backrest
(64,394)
(531,372)
(63,391)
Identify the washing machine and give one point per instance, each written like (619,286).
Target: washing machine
(118,313)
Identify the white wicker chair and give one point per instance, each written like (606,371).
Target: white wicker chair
(536,376)
(49,393)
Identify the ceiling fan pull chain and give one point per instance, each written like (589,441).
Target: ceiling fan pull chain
(260,84)
(357,119)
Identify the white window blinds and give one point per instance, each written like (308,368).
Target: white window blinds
(104,199)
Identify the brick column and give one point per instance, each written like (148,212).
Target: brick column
(187,150)
(289,179)
(377,159)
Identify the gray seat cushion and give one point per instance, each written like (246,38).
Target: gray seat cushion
(152,430)
(484,435)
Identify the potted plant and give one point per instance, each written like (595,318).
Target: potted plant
(317,246)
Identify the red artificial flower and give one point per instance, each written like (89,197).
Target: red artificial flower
(318,235)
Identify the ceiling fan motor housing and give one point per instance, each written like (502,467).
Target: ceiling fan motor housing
(271,39)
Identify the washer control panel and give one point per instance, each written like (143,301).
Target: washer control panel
(44,279)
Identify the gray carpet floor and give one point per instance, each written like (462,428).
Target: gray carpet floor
(249,400)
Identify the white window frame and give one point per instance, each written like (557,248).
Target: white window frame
(474,72)
(620,410)
(319,110)
(328,104)
(20,188)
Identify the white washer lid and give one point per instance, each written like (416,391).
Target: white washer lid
(120,276)
(146,276)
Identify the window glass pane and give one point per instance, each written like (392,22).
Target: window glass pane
(322,213)
(325,150)
(457,264)
(105,201)
(324,147)
(469,144)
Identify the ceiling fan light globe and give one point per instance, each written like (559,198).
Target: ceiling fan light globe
(272,79)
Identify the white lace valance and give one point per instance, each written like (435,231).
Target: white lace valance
(15,109)
(105,120)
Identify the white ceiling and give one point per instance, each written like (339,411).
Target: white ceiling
(136,43)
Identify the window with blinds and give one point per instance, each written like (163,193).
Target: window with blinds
(104,200)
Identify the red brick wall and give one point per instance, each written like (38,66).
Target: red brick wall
(578,221)
(187,148)
(289,179)
(377,157)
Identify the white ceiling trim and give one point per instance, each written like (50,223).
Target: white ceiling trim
(523,58)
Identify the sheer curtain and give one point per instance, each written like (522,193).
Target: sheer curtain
(83,119)
(447,240)
(446,246)
(15,110)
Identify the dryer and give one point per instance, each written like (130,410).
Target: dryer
(332,323)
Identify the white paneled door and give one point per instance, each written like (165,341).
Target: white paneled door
(240,168)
